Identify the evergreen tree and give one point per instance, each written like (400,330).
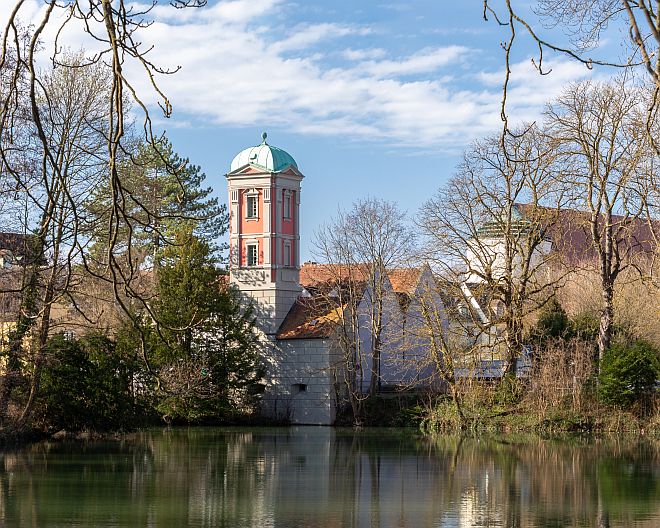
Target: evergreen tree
(88,384)
(553,322)
(206,349)
(163,191)
(628,372)
(200,344)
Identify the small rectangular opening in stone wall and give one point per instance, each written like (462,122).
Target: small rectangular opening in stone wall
(299,387)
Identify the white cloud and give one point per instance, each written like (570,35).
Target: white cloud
(238,11)
(529,91)
(301,38)
(229,11)
(364,54)
(424,61)
(241,65)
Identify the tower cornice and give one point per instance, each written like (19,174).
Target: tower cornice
(250,170)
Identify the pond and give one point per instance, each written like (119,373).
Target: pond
(322,477)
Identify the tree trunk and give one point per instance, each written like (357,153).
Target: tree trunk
(39,358)
(606,322)
(456,397)
(353,380)
(374,383)
(356,407)
(514,346)
(376,340)
(44,328)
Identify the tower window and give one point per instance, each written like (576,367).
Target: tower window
(252,207)
(286,203)
(252,255)
(287,254)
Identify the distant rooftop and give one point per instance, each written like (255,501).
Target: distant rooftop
(317,315)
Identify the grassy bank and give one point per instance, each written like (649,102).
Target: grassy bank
(506,409)
(522,417)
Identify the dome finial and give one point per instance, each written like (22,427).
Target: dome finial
(263,137)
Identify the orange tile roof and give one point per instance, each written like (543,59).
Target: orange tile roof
(313,274)
(404,280)
(316,317)
(310,318)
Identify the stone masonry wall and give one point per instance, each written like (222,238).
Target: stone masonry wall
(270,306)
(300,382)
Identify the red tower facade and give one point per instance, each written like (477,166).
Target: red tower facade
(264,234)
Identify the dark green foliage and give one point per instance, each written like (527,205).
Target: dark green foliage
(584,326)
(509,391)
(163,192)
(553,322)
(387,410)
(628,372)
(207,348)
(187,290)
(174,188)
(86,384)
(200,348)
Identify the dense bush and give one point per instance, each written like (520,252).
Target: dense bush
(553,322)
(585,326)
(86,384)
(628,372)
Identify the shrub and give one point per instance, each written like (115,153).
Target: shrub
(562,376)
(628,372)
(584,326)
(509,391)
(86,385)
(553,322)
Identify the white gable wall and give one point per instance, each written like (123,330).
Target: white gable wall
(405,360)
(489,254)
(408,358)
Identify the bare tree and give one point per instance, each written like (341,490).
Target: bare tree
(438,323)
(337,294)
(360,246)
(584,22)
(63,130)
(486,233)
(605,162)
(55,187)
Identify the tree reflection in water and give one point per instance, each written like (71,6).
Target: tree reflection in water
(327,478)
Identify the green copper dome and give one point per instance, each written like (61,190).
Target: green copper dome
(271,158)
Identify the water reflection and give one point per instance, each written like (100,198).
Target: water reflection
(327,478)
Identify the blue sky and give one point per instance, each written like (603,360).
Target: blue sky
(371,98)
